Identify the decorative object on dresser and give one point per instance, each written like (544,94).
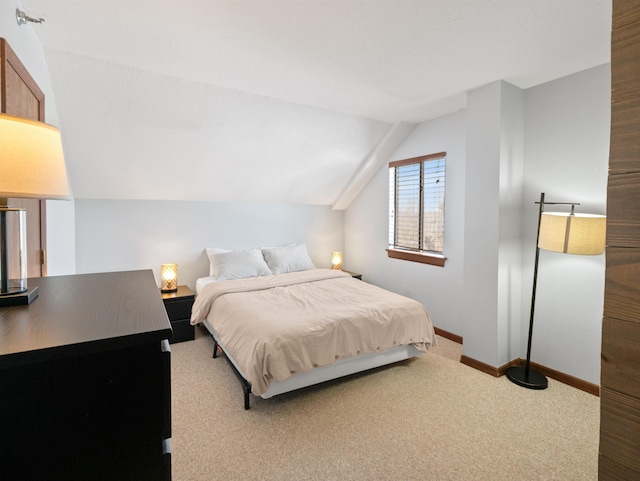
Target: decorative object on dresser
(178,306)
(568,233)
(169,277)
(336,260)
(33,168)
(86,381)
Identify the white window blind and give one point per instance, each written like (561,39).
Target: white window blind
(416,203)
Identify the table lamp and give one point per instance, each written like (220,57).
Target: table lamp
(31,166)
(336,260)
(169,277)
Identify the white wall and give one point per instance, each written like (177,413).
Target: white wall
(564,143)
(367,227)
(566,156)
(60,214)
(114,235)
(61,240)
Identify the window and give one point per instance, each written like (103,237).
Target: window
(416,209)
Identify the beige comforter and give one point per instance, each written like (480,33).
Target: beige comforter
(278,325)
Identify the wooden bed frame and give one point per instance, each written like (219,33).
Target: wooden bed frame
(341,368)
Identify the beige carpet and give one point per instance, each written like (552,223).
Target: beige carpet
(428,419)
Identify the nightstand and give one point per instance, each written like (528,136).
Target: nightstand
(355,275)
(178,305)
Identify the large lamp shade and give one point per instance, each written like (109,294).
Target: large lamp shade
(582,234)
(31,160)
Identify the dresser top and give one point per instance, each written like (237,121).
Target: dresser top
(83,313)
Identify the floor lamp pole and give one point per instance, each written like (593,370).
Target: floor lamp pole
(525,376)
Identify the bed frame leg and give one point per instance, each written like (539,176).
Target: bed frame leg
(246,385)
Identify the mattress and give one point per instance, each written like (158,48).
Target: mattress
(278,326)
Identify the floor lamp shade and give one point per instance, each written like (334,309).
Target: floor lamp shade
(582,234)
(31,166)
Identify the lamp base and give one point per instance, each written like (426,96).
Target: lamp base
(535,380)
(21,299)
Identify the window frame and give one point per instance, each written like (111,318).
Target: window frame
(435,258)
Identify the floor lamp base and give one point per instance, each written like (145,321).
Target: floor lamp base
(535,380)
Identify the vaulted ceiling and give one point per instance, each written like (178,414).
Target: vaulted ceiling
(296,101)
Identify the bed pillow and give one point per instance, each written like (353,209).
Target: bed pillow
(238,265)
(291,258)
(210,253)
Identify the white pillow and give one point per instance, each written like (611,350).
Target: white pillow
(288,258)
(238,264)
(210,252)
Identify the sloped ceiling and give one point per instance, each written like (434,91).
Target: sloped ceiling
(283,101)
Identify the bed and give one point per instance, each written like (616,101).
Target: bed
(283,324)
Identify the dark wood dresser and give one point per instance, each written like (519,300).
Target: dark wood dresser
(85,381)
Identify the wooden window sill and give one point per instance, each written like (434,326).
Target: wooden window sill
(424,258)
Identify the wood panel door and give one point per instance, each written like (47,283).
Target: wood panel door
(620,374)
(21,96)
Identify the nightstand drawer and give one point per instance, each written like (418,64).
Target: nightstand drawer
(182,331)
(179,308)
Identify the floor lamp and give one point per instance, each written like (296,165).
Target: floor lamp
(569,233)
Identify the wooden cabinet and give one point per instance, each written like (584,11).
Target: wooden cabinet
(178,305)
(85,376)
(620,374)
